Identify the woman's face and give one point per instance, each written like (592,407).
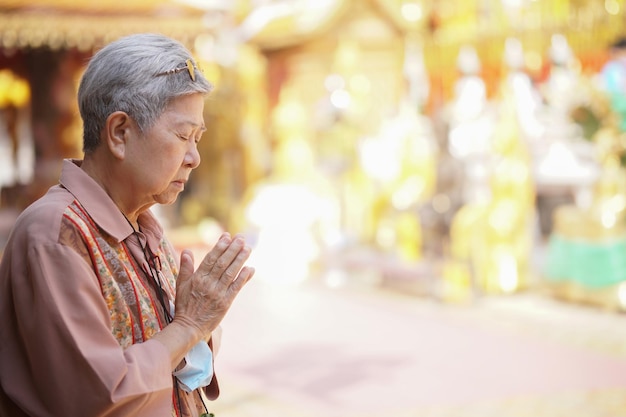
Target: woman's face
(164,156)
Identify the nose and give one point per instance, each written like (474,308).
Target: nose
(192,157)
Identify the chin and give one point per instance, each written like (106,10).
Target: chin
(166,199)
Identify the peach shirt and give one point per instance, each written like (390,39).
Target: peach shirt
(77,310)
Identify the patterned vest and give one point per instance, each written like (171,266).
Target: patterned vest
(128,290)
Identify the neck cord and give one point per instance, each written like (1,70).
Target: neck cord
(152,260)
(154,267)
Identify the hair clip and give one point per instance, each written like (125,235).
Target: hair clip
(189,66)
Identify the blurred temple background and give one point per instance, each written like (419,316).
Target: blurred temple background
(435,191)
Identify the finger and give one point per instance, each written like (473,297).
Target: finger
(234,265)
(224,261)
(245,275)
(186,264)
(220,247)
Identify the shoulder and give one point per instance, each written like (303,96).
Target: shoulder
(41,221)
(50,205)
(43,238)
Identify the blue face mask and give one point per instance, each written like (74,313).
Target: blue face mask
(198,369)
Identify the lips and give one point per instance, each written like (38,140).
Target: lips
(180,183)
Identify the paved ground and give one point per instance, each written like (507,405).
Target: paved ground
(313,351)
(363,351)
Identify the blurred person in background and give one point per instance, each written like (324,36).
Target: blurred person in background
(99,315)
(613,80)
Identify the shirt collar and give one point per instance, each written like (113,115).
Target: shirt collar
(102,209)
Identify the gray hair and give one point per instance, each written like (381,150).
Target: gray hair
(135,75)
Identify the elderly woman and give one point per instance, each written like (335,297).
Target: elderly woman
(98,316)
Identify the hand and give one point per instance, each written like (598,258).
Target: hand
(203,297)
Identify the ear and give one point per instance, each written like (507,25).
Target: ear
(117,131)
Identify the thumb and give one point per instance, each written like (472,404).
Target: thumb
(186,265)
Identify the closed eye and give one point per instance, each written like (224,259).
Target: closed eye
(194,136)
(196,139)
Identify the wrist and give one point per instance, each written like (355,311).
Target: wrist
(189,329)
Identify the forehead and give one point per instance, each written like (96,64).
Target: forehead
(184,111)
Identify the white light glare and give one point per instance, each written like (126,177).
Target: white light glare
(412,12)
(340,99)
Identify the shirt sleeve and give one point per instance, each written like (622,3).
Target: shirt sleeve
(75,364)
(212,391)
